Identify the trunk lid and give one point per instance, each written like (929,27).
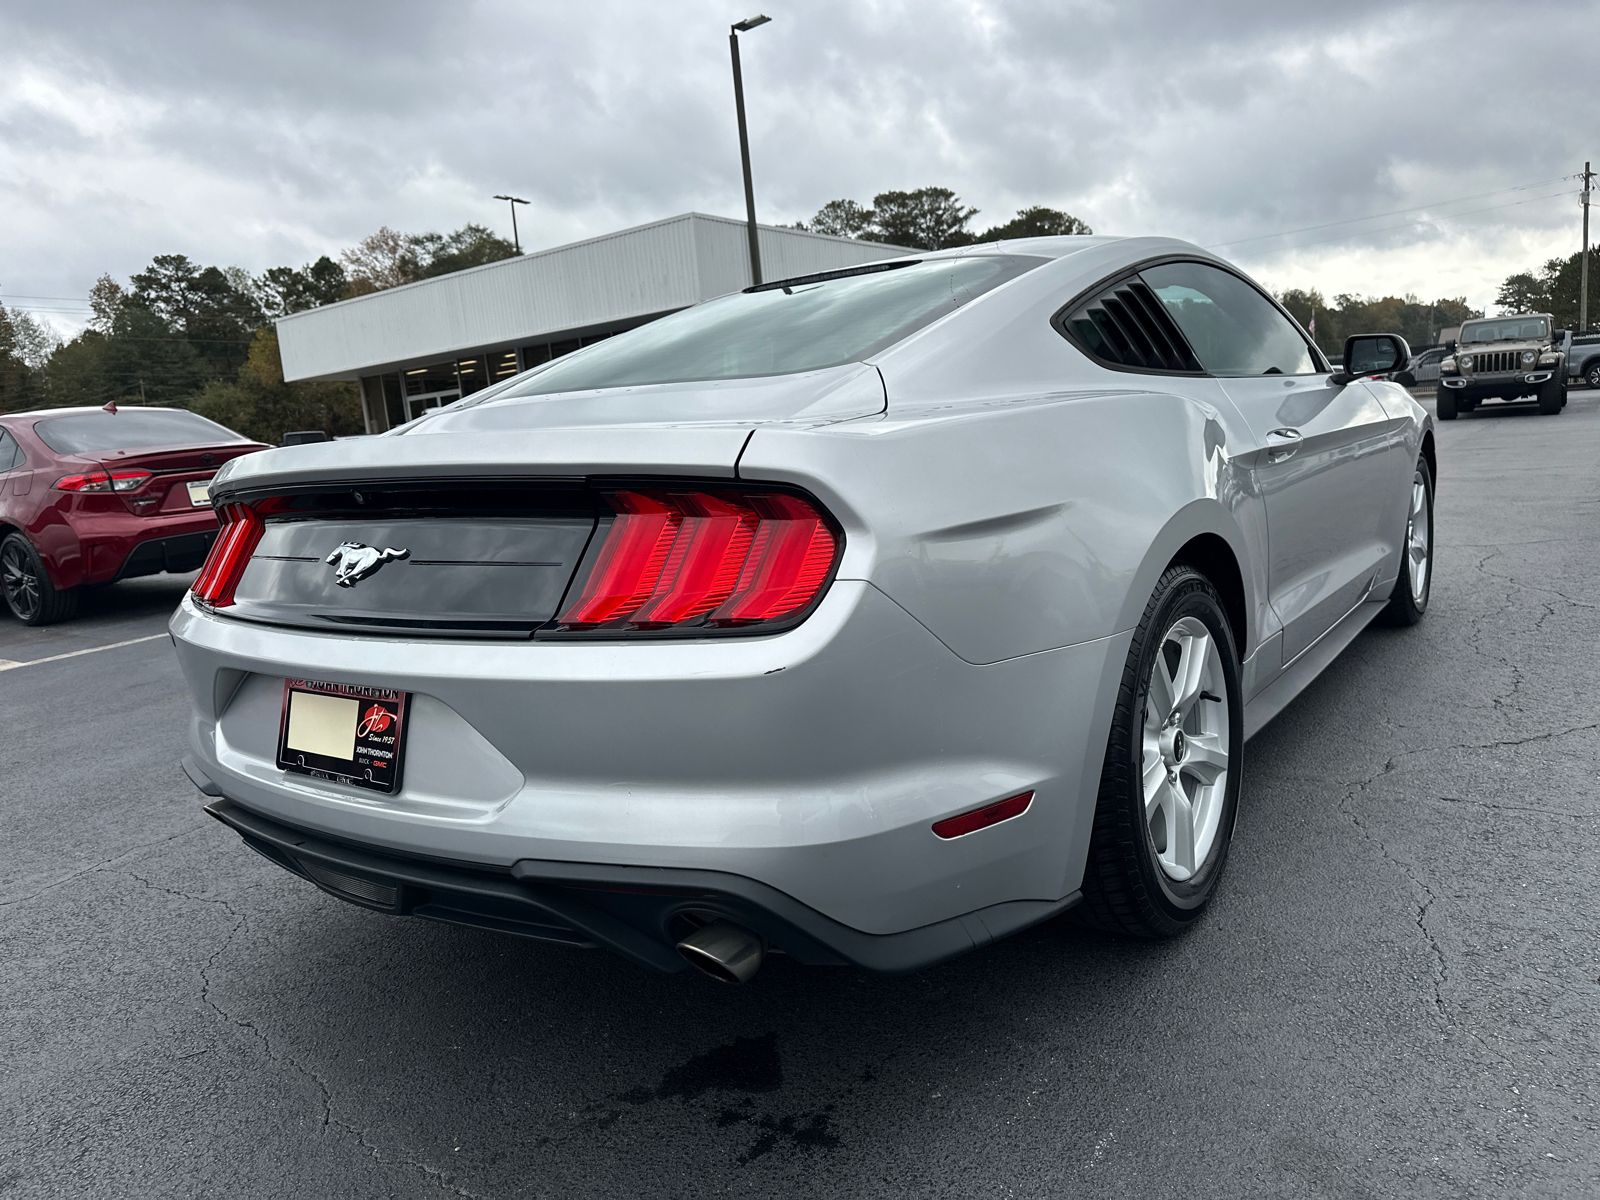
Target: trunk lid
(170,471)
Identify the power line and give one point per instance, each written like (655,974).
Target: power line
(1429,221)
(1521,187)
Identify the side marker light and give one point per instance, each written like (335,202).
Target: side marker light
(982,818)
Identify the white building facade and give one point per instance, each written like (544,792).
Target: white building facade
(416,347)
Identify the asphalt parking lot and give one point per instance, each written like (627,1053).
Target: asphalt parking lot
(1397,992)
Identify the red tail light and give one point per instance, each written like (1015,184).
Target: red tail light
(127,481)
(230,553)
(92,481)
(675,560)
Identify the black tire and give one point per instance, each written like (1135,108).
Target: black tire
(1125,889)
(26,585)
(1405,606)
(1445,403)
(1591,374)
(1552,397)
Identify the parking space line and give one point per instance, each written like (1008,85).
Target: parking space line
(8,665)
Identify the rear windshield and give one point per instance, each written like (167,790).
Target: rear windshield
(1520,329)
(780,330)
(130,429)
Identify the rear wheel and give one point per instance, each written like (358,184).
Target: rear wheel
(1552,396)
(1445,403)
(1170,786)
(29,594)
(1591,374)
(1412,589)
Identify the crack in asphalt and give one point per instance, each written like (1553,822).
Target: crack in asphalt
(1549,812)
(100,866)
(432,1174)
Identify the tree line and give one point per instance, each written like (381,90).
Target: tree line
(201,337)
(1420,324)
(932,218)
(1554,288)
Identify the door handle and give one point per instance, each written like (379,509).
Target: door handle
(1282,444)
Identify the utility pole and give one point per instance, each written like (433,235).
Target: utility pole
(515,200)
(1583,273)
(744,142)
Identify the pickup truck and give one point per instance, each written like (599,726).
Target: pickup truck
(1583,358)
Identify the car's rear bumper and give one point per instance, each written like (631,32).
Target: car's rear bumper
(813,762)
(639,912)
(178,554)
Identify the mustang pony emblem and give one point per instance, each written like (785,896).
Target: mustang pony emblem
(354,561)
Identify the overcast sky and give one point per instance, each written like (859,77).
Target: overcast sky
(263,134)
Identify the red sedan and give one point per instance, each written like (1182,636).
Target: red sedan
(93,495)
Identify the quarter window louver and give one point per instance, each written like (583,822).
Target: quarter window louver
(1127,326)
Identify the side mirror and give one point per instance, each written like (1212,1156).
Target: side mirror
(1372,354)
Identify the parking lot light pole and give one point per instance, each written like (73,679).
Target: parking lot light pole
(735,30)
(515,200)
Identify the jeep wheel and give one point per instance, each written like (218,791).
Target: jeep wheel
(1552,396)
(1445,403)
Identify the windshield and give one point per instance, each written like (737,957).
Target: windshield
(130,429)
(780,330)
(1514,329)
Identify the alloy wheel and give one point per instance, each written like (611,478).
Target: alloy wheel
(1594,377)
(1418,543)
(1185,748)
(19,581)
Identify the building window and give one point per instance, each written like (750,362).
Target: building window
(474,375)
(502,366)
(532,356)
(429,387)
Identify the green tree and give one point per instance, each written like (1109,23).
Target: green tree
(285,290)
(933,218)
(387,259)
(1524,292)
(841,218)
(930,218)
(1418,323)
(469,246)
(1036,222)
(260,405)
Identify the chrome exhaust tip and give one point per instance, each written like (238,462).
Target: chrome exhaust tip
(724,951)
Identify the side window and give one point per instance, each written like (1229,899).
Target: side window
(1124,325)
(1234,329)
(10,452)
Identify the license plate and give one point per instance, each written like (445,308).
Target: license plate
(199,492)
(343,732)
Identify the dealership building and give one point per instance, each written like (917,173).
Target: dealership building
(416,347)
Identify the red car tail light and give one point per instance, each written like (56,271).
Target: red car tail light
(241,531)
(982,818)
(712,561)
(127,481)
(91,481)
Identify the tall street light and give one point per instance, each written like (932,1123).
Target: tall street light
(744,142)
(515,200)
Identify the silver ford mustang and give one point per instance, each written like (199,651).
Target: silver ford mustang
(867,616)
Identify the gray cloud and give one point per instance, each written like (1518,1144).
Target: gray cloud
(257,134)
